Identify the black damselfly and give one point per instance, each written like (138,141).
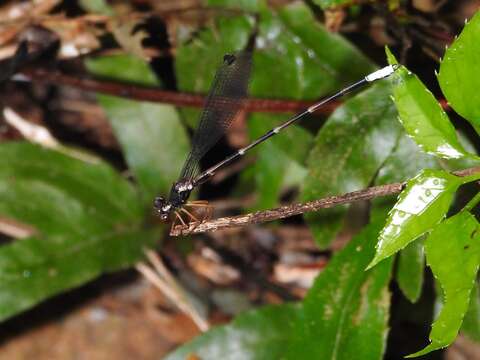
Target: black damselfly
(223,103)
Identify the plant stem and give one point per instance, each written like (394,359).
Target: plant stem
(472,203)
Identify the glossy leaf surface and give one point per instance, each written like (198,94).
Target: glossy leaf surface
(406,161)
(86,220)
(422,116)
(458,75)
(152,136)
(345,306)
(348,151)
(453,254)
(422,204)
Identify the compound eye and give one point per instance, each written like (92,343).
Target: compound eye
(158,202)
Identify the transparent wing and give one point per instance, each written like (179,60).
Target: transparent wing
(224,101)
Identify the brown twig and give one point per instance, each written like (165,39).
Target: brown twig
(157,95)
(297,209)
(144,93)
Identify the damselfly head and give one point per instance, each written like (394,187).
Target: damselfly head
(162,208)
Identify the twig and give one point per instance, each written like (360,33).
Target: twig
(297,209)
(144,93)
(160,277)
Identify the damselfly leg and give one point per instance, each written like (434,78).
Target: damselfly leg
(203,205)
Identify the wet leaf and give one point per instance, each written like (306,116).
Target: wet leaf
(406,161)
(345,306)
(348,151)
(458,75)
(422,204)
(152,136)
(471,321)
(87,220)
(453,254)
(422,116)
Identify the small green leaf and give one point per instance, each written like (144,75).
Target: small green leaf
(97,6)
(154,141)
(326,4)
(423,204)
(458,75)
(349,149)
(471,322)
(422,116)
(453,254)
(125,68)
(410,270)
(246,5)
(87,220)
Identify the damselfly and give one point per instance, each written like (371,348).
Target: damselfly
(224,101)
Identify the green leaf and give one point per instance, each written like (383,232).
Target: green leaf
(422,116)
(97,6)
(423,204)
(269,173)
(198,58)
(154,141)
(458,75)
(305,59)
(257,334)
(247,5)
(410,270)
(127,68)
(326,4)
(406,161)
(87,220)
(453,254)
(276,157)
(349,149)
(345,306)
(471,321)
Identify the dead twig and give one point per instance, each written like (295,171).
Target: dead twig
(143,93)
(297,209)
(159,276)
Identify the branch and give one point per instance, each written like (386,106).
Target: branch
(144,93)
(297,209)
